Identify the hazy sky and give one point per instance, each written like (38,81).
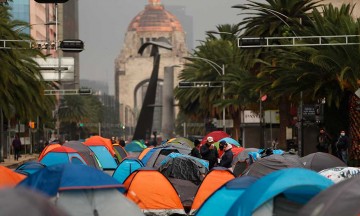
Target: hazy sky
(103,24)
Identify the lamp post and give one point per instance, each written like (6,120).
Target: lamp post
(221,71)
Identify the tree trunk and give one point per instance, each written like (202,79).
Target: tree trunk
(284,107)
(236,125)
(354,132)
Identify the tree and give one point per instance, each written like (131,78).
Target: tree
(273,18)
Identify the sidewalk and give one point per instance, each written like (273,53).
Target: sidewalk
(11,163)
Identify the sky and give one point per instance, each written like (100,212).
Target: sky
(103,24)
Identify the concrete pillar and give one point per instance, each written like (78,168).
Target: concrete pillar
(168,113)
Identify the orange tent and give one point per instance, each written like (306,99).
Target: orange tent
(47,149)
(9,178)
(153,192)
(100,141)
(144,152)
(216,178)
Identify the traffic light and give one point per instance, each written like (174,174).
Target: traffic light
(31,124)
(73,45)
(51,1)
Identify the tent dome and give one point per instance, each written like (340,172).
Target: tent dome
(155,19)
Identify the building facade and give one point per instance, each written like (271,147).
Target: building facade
(132,71)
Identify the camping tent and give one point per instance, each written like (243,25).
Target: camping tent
(282,192)
(216,178)
(185,167)
(47,149)
(340,199)
(21,201)
(9,178)
(181,141)
(120,151)
(100,141)
(270,164)
(82,190)
(29,167)
(155,155)
(338,174)
(153,192)
(85,152)
(216,135)
(135,146)
(126,167)
(319,161)
(105,159)
(222,199)
(61,155)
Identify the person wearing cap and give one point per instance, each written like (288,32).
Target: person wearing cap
(342,145)
(227,157)
(209,152)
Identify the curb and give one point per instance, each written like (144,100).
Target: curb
(15,165)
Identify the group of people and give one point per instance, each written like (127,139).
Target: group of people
(339,148)
(222,157)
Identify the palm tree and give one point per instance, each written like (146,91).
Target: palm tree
(273,18)
(208,102)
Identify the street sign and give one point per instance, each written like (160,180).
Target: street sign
(49,68)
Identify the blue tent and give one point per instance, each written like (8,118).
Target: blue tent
(135,146)
(155,155)
(126,167)
(222,199)
(52,179)
(107,162)
(230,141)
(29,167)
(296,185)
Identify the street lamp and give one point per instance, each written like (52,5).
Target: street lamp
(221,71)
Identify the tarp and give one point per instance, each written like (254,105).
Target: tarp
(216,178)
(85,152)
(29,167)
(96,202)
(21,201)
(340,199)
(319,161)
(153,192)
(298,185)
(270,164)
(216,135)
(222,199)
(338,174)
(9,178)
(202,162)
(126,167)
(62,155)
(100,141)
(178,166)
(50,180)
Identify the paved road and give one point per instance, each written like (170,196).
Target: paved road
(12,164)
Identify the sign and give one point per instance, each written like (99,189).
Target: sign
(309,110)
(49,68)
(250,117)
(272,116)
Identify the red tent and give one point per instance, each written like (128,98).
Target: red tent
(217,135)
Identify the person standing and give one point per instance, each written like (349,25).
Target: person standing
(227,158)
(324,141)
(342,146)
(209,152)
(16,143)
(195,151)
